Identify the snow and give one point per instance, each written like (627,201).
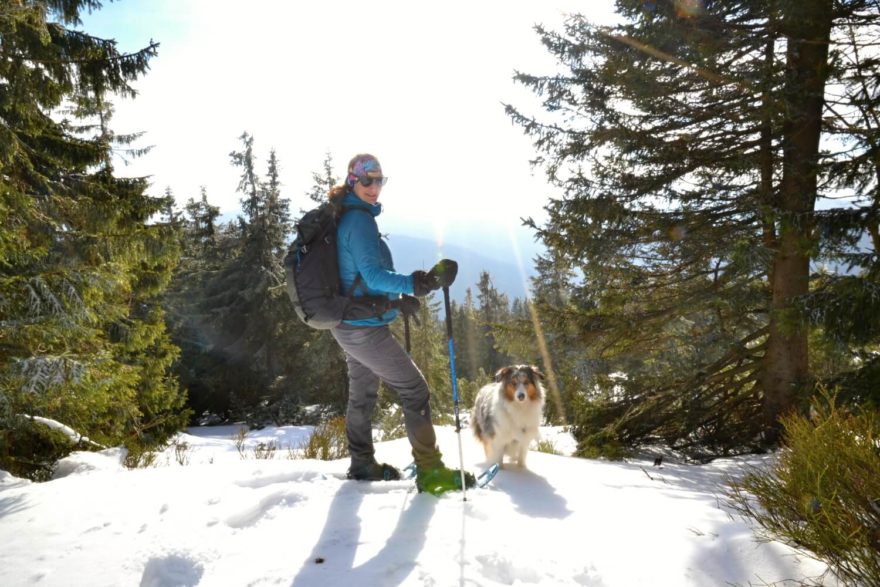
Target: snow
(72,434)
(208,512)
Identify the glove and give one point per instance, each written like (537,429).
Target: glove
(444,272)
(441,275)
(409,307)
(424,283)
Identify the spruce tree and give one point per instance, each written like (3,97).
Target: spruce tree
(467,339)
(201,369)
(324,181)
(687,144)
(243,299)
(83,338)
(201,232)
(531,336)
(493,311)
(277,211)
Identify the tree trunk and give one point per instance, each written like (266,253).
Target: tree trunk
(807,26)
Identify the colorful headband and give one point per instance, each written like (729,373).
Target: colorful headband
(367,166)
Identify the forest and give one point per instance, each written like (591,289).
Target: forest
(711,268)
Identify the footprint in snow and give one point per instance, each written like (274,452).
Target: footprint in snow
(504,571)
(173,569)
(252,515)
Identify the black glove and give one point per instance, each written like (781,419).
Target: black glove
(409,307)
(444,272)
(441,275)
(424,283)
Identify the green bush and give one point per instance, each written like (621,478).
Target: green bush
(822,493)
(391,424)
(548,447)
(30,449)
(602,446)
(328,442)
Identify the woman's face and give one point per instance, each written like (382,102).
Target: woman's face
(368,193)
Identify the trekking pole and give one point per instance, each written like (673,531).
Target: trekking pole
(406,332)
(454,387)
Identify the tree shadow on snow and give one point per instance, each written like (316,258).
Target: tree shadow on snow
(11,505)
(332,558)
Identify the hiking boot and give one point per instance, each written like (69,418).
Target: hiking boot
(373,472)
(440,479)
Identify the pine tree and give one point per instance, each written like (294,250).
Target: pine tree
(532,336)
(493,311)
(201,232)
(466,337)
(323,182)
(687,143)
(83,338)
(844,305)
(243,300)
(429,352)
(201,370)
(277,210)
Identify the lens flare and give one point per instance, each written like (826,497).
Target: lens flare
(439,236)
(678,232)
(549,372)
(689,8)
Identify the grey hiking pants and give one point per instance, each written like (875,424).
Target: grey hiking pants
(374,355)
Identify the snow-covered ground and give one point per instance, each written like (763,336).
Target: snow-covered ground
(221,519)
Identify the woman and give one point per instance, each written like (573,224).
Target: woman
(371,352)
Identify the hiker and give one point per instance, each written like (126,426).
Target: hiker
(371,352)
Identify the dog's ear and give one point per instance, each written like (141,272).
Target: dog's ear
(536,372)
(502,373)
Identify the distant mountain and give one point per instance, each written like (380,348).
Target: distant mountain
(411,253)
(507,252)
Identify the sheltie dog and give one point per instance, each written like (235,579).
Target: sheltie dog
(508,412)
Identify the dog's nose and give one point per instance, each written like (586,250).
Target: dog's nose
(520,395)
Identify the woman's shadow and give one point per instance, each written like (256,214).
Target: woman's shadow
(332,559)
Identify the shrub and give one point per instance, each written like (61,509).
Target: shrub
(328,442)
(239,439)
(601,445)
(30,449)
(265,450)
(547,446)
(141,458)
(822,494)
(391,424)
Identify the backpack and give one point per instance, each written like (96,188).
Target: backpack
(312,271)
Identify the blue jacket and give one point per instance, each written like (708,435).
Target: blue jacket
(362,251)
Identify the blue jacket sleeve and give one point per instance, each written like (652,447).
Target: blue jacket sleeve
(370,260)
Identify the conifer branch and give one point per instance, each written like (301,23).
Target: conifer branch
(663,56)
(147,51)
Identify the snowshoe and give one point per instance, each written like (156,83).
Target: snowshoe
(440,479)
(373,472)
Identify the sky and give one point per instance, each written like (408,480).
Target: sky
(421,85)
(208,515)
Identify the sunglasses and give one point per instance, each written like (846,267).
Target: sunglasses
(368,181)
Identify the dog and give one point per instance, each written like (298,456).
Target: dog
(508,412)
